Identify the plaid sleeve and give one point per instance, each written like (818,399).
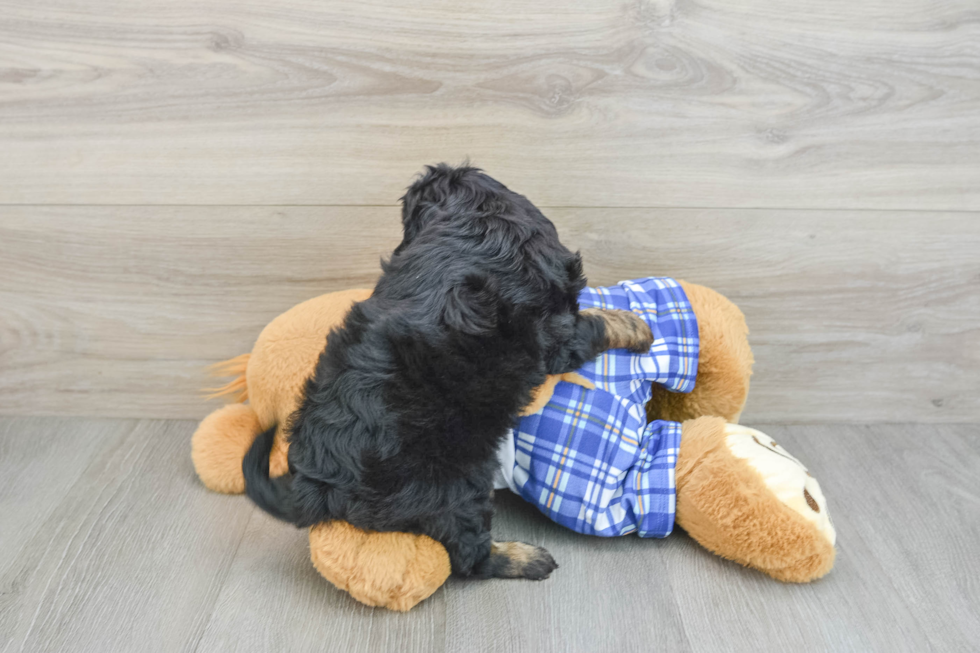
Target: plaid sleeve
(591,462)
(673,358)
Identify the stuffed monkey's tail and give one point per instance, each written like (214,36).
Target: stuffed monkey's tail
(237,388)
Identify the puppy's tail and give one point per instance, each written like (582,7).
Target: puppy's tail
(274,495)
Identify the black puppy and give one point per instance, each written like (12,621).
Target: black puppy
(400,423)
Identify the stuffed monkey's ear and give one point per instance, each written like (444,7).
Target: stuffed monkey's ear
(472,306)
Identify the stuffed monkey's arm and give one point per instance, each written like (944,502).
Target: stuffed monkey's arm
(541,395)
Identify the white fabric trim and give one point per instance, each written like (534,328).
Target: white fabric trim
(504,478)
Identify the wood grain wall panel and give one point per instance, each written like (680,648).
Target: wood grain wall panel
(855,316)
(575,103)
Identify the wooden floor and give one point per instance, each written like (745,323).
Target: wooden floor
(111,544)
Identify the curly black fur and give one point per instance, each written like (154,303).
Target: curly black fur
(400,423)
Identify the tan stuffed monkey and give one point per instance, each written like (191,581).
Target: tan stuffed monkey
(737,492)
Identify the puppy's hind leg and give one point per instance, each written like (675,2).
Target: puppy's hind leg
(465,533)
(516,560)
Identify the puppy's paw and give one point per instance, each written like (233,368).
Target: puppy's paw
(540,565)
(520,560)
(625,330)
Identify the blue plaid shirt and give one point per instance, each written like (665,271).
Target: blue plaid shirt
(589,459)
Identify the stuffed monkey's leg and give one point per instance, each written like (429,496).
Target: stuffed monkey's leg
(724,363)
(391,570)
(398,570)
(220,443)
(745,498)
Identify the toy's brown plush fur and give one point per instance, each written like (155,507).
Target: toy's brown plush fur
(721,503)
(219,445)
(724,363)
(391,570)
(398,570)
(272,379)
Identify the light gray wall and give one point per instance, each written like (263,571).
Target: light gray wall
(854,316)
(173,176)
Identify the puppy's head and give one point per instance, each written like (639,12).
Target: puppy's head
(507,251)
(440,193)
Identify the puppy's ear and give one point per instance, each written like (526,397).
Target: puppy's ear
(472,306)
(576,278)
(566,295)
(573,266)
(411,221)
(421,199)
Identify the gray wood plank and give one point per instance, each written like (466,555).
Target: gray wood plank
(855,316)
(905,578)
(854,608)
(659,103)
(135,555)
(726,607)
(118,312)
(905,503)
(274,600)
(41,459)
(909,496)
(131,559)
(607,595)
